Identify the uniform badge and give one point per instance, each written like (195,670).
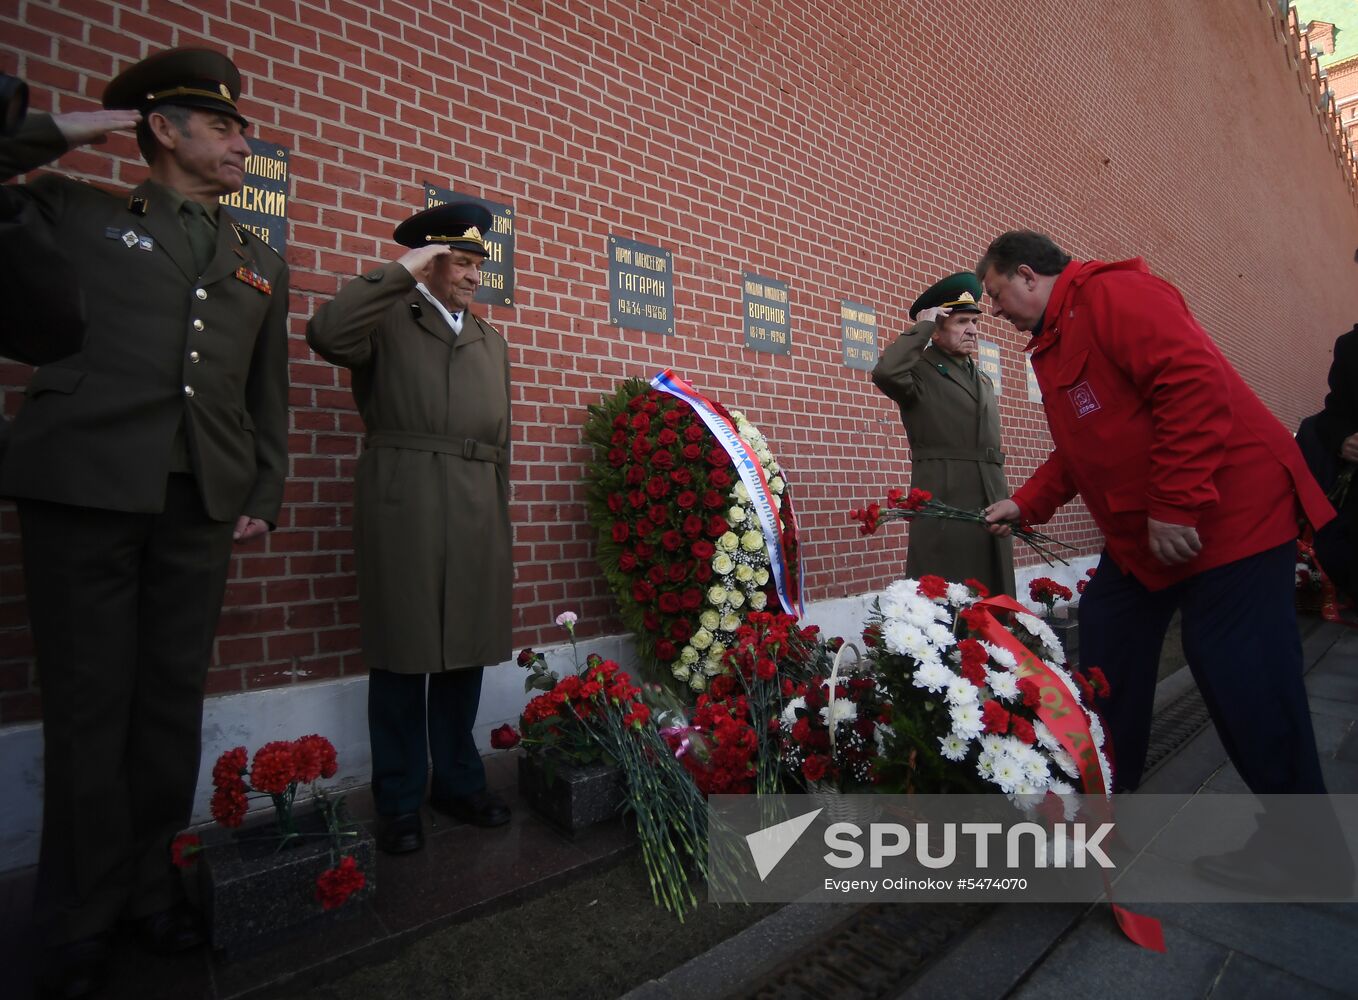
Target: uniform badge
(129,239)
(255,281)
(145,243)
(1083,399)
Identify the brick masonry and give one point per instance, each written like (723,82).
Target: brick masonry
(853,151)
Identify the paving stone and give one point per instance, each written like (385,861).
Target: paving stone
(1245,979)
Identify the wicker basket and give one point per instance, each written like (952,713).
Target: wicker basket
(840,806)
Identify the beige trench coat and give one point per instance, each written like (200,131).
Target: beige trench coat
(953,426)
(431,504)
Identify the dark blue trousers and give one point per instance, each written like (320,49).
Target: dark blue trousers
(408,728)
(1240,638)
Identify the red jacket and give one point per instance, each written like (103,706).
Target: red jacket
(1150,420)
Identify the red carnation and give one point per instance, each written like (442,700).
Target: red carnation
(229,803)
(977,587)
(1100,682)
(813,768)
(1023,730)
(933,587)
(994,717)
(1032,693)
(274,767)
(183,848)
(316,758)
(503,738)
(335,885)
(229,767)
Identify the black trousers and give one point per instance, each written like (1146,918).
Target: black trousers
(1240,638)
(408,728)
(124,610)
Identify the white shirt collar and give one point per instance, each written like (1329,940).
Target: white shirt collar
(454,320)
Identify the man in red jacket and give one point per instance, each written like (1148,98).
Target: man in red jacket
(1197,489)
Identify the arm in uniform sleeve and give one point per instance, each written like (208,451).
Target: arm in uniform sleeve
(266,400)
(895,374)
(44,317)
(343,329)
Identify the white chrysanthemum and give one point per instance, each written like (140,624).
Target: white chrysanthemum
(688,655)
(752,541)
(966,720)
(1007,773)
(959,595)
(740,492)
(932,676)
(940,635)
(791,708)
(845,711)
(758,600)
(701,639)
(729,542)
(1041,631)
(1096,730)
(961,691)
(710,619)
(901,590)
(985,765)
(1066,763)
(1045,738)
(738,417)
(1003,684)
(992,743)
(1001,656)
(1070,799)
(722,564)
(744,573)
(899,636)
(1034,766)
(735,515)
(761,577)
(953,747)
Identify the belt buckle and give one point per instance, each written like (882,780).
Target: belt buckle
(468,449)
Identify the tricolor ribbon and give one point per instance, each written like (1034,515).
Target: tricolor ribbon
(1060,710)
(751,474)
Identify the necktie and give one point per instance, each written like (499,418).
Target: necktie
(457,322)
(200,231)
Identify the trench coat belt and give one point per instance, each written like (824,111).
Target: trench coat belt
(468,448)
(990,456)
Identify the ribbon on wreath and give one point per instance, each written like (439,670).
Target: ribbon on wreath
(1060,711)
(752,475)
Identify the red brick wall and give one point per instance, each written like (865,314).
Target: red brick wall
(855,151)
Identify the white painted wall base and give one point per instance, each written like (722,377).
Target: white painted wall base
(338,710)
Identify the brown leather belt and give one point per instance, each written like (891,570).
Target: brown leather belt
(468,448)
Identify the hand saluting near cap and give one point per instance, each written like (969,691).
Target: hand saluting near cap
(80,128)
(420,261)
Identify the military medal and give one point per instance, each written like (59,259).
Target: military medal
(256,281)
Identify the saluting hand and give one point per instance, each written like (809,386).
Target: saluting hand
(934,314)
(80,128)
(420,261)
(1173,544)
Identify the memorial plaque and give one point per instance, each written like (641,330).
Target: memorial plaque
(1034,391)
(988,359)
(768,326)
(497,271)
(261,205)
(859,325)
(640,286)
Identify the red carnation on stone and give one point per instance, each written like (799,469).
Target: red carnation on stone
(274,767)
(183,848)
(335,885)
(504,738)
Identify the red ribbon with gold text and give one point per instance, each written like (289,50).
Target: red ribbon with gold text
(1061,712)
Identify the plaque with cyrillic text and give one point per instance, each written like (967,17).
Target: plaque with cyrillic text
(765,308)
(497,270)
(261,205)
(859,326)
(640,286)
(988,360)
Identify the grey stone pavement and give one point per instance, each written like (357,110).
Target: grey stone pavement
(1228,951)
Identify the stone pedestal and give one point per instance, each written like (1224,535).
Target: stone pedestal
(256,896)
(568,796)
(1067,629)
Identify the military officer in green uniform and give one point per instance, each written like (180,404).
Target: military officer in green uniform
(953,425)
(431,512)
(136,463)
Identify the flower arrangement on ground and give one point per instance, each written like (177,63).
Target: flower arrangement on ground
(834,739)
(969,695)
(695,521)
(1045,591)
(903,506)
(277,771)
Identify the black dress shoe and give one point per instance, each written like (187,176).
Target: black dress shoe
(74,970)
(169,932)
(400,834)
(480,809)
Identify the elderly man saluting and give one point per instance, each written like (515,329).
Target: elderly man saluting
(431,512)
(953,425)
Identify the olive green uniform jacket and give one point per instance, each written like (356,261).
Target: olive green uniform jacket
(953,426)
(163,350)
(431,503)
